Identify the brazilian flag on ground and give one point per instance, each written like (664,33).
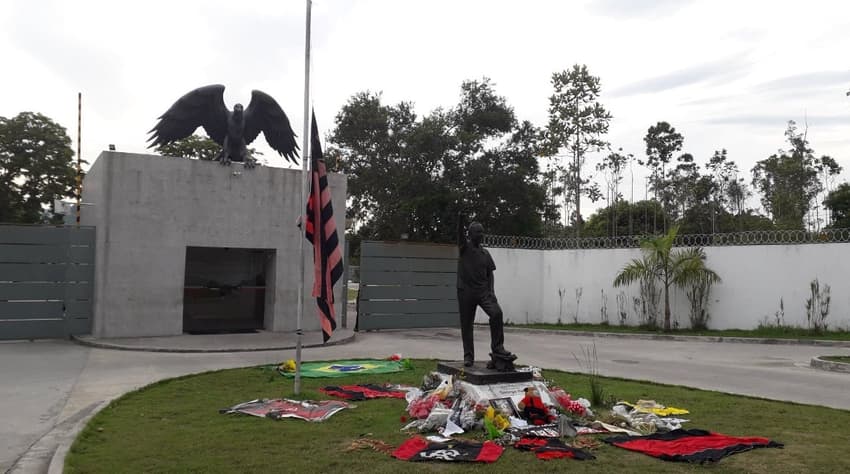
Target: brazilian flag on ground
(342,368)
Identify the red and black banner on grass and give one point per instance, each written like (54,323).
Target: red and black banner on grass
(692,445)
(418,449)
(362,392)
(320,230)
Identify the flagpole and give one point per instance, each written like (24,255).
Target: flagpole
(305,168)
(79,190)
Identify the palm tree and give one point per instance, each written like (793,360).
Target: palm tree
(660,262)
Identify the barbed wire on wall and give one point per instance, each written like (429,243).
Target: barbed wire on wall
(753,237)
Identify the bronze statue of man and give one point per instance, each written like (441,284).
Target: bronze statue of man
(475,281)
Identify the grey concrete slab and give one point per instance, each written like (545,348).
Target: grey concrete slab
(36,379)
(246,342)
(779,372)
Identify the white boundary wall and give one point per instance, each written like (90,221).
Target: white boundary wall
(755,277)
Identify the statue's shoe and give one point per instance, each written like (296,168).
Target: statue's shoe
(501,364)
(507,356)
(501,351)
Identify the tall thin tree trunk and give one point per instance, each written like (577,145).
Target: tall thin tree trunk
(654,213)
(713,213)
(614,211)
(576,162)
(632,170)
(576,158)
(567,190)
(645,210)
(666,305)
(663,198)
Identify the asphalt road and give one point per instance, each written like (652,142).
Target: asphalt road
(45,383)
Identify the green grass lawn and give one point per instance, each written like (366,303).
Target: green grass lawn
(844,359)
(174,426)
(765,332)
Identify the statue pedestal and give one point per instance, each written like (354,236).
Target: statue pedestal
(479,374)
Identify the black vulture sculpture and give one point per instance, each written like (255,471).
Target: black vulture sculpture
(204,107)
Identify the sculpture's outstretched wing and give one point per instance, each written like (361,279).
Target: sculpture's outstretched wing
(203,107)
(265,115)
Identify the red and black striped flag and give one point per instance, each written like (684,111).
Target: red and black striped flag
(693,445)
(320,230)
(418,449)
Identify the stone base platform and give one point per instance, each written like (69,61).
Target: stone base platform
(479,374)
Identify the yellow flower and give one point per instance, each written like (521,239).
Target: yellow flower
(501,422)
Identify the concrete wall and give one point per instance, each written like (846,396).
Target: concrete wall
(754,280)
(148,209)
(518,286)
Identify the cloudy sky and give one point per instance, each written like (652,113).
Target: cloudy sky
(726,74)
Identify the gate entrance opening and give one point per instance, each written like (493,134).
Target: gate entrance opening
(225,289)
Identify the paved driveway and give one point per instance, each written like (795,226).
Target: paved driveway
(36,379)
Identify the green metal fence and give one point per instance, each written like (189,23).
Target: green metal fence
(46,281)
(407,285)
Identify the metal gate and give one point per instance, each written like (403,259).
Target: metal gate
(407,285)
(46,281)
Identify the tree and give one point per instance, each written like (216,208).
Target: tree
(788,181)
(662,140)
(737,193)
(194,146)
(827,169)
(36,166)
(681,267)
(612,167)
(394,165)
(480,114)
(723,176)
(553,188)
(838,203)
(704,218)
(577,122)
(413,176)
(709,200)
(683,185)
(495,173)
(509,200)
(750,220)
(625,218)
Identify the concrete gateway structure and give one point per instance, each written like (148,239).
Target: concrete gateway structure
(194,246)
